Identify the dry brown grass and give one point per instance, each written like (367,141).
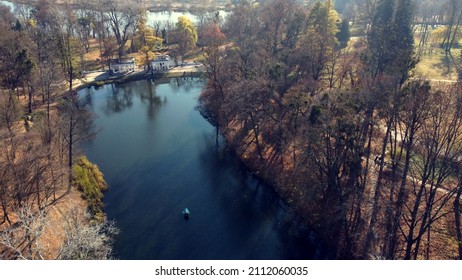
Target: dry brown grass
(52,239)
(56,213)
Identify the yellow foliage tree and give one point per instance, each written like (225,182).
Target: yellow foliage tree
(186,35)
(145,42)
(319,41)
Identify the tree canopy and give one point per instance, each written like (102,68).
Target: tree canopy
(185,35)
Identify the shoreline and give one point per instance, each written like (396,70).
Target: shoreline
(246,163)
(104,78)
(299,218)
(273,181)
(297,221)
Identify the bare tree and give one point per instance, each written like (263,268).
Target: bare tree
(440,146)
(122,18)
(454,20)
(410,121)
(87,241)
(457,216)
(21,240)
(76,125)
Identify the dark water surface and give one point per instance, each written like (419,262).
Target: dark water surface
(159,156)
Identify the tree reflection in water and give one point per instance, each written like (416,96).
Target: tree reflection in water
(148,95)
(120,99)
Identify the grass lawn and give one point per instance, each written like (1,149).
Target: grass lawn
(434,64)
(92,60)
(195,55)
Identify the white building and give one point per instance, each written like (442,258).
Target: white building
(162,63)
(123,65)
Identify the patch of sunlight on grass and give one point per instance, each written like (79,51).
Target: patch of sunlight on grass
(436,65)
(195,55)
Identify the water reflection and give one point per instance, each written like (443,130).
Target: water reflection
(160,156)
(119,100)
(148,95)
(258,209)
(86,98)
(188,84)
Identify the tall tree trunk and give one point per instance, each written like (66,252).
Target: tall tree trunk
(425,221)
(37,185)
(410,240)
(401,194)
(375,205)
(363,182)
(427,251)
(70,160)
(454,33)
(5,211)
(447,36)
(29,101)
(457,217)
(423,38)
(256,133)
(71,126)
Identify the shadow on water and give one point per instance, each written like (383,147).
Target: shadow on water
(160,157)
(260,206)
(148,96)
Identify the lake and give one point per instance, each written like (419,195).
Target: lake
(165,17)
(159,155)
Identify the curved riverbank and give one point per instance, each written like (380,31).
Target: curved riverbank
(301,215)
(159,155)
(289,198)
(263,161)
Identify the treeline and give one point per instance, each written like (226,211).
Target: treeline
(40,129)
(368,154)
(43,53)
(443,19)
(118,27)
(193,6)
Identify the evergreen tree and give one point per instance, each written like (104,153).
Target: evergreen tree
(323,19)
(343,36)
(380,38)
(403,44)
(391,40)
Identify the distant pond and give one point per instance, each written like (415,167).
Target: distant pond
(163,17)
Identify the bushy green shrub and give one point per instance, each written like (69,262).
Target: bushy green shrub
(89,180)
(99,83)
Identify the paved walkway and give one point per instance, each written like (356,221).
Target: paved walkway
(103,75)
